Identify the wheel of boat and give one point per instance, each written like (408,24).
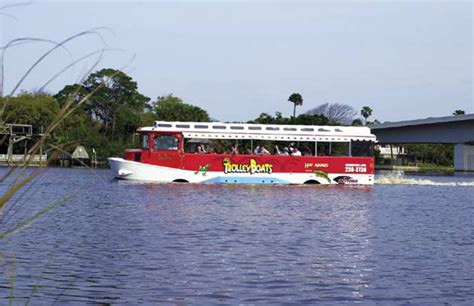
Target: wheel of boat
(180,181)
(312,182)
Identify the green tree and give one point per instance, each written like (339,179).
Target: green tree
(38,110)
(264,118)
(71,93)
(114,93)
(303,119)
(170,108)
(366,112)
(459,112)
(439,154)
(296,99)
(357,122)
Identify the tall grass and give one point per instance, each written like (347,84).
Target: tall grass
(19,175)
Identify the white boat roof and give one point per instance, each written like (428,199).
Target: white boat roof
(219,130)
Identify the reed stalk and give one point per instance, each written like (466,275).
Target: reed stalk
(23,178)
(12,281)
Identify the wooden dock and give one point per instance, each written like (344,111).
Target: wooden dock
(17,140)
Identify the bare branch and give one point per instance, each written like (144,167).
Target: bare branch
(336,113)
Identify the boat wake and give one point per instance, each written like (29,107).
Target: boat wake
(399,178)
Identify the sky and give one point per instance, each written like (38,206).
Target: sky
(237,59)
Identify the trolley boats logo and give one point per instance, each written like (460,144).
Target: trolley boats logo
(251,168)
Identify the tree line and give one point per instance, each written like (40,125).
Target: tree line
(106,121)
(114,109)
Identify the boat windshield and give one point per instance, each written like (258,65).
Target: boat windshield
(165,142)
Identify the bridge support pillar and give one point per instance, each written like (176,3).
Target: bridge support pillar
(463,157)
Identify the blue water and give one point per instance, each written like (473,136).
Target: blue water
(117,242)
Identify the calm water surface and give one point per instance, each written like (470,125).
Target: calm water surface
(116,242)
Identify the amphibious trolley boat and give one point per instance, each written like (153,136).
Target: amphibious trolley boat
(213,152)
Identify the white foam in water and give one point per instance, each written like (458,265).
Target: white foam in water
(398,178)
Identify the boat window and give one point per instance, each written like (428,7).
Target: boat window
(362,148)
(289,129)
(323,130)
(323,148)
(255,128)
(165,142)
(339,149)
(145,141)
(306,148)
(307,130)
(272,128)
(200,126)
(236,127)
(163,125)
(219,127)
(182,126)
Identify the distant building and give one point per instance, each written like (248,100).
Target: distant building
(80,153)
(78,158)
(394,151)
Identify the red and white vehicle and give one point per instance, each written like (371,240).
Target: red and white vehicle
(179,152)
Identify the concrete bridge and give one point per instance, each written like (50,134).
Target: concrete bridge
(457,130)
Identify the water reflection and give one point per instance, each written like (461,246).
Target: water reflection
(122,242)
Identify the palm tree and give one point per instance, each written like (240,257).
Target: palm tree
(296,99)
(366,112)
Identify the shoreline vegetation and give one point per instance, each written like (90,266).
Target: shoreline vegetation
(104,111)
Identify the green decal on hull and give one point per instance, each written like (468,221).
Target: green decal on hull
(322,174)
(203,169)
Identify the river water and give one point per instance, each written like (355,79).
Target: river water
(405,240)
